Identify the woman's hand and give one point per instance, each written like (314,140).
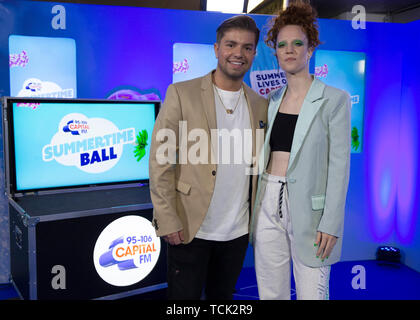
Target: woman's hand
(325,243)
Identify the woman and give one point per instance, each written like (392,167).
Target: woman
(299,207)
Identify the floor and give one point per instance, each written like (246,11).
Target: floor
(355,280)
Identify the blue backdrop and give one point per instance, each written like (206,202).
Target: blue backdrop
(125,47)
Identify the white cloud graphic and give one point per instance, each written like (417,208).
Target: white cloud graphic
(34,87)
(93,145)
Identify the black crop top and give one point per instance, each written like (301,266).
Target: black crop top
(282,133)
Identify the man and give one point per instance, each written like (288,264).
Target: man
(202,207)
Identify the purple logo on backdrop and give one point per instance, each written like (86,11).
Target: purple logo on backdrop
(129,94)
(18,59)
(321,71)
(181,66)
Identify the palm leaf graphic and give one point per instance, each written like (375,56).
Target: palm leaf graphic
(355,143)
(141,143)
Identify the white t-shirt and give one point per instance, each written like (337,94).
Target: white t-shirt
(228,214)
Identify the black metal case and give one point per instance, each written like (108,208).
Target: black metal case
(53,237)
(81,242)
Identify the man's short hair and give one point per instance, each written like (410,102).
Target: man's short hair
(242,22)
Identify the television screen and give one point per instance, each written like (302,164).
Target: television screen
(59,143)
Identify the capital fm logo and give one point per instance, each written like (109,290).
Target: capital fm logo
(126,251)
(76,127)
(34,86)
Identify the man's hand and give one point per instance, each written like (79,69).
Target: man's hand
(325,243)
(174,238)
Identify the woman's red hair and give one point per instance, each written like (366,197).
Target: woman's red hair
(297,13)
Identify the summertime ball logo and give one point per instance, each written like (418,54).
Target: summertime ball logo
(126,251)
(93,145)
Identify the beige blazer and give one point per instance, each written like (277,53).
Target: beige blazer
(181,192)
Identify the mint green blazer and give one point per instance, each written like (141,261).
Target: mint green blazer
(318,171)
